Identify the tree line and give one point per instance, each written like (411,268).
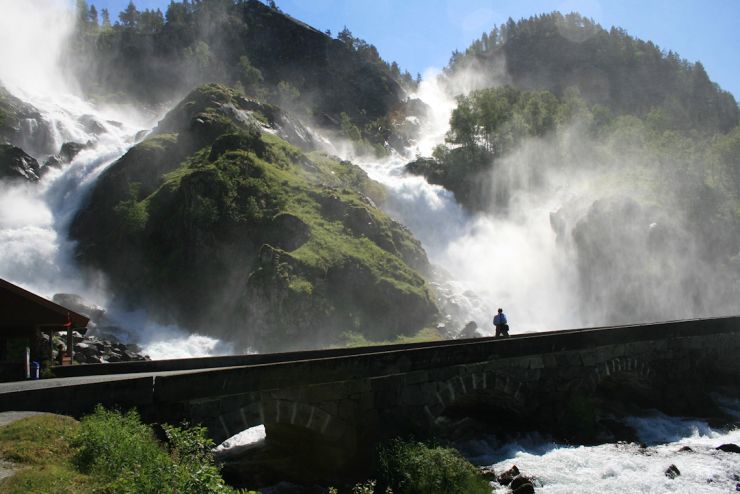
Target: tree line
(555,52)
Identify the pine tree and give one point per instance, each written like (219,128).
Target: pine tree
(106,18)
(82,13)
(130,16)
(92,16)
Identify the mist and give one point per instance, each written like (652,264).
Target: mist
(581,230)
(37,253)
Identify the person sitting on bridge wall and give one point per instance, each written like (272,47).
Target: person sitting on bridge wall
(501,323)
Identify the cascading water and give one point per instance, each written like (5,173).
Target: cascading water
(34,217)
(488,261)
(516,261)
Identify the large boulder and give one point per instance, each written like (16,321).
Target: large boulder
(508,476)
(217,224)
(729,448)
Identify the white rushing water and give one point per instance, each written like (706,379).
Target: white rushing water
(511,262)
(623,467)
(514,261)
(36,252)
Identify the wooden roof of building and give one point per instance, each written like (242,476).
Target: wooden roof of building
(21,309)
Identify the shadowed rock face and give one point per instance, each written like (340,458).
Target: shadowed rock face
(17,164)
(216,223)
(23,126)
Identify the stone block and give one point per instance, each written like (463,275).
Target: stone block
(347,410)
(417,394)
(416,377)
(326,392)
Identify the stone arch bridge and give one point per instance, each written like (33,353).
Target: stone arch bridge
(335,405)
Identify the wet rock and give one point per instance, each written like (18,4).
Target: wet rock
(521,485)
(470,331)
(15,163)
(134,348)
(729,448)
(526,488)
(70,150)
(24,126)
(91,125)
(672,472)
(487,473)
(51,162)
(506,477)
(93,350)
(685,449)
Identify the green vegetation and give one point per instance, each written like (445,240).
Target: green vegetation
(40,449)
(417,468)
(107,452)
(639,147)
(489,125)
(352,339)
(222,225)
(555,52)
(123,453)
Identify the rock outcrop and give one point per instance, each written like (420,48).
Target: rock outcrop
(17,164)
(94,350)
(22,125)
(217,223)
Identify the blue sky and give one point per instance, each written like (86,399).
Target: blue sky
(419,34)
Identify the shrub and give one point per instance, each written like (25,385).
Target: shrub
(417,468)
(122,451)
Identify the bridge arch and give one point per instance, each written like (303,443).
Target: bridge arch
(633,369)
(304,416)
(475,392)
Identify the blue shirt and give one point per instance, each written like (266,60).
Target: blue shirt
(499,319)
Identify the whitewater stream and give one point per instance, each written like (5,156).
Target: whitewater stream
(511,261)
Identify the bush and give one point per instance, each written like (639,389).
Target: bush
(417,468)
(122,451)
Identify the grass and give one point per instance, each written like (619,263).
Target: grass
(353,340)
(40,448)
(107,452)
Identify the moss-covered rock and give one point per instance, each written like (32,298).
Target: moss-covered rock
(218,224)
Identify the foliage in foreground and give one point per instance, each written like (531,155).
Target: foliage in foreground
(117,448)
(39,448)
(417,468)
(108,452)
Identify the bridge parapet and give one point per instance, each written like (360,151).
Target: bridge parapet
(344,403)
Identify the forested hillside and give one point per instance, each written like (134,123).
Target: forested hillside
(636,151)
(556,52)
(154,57)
